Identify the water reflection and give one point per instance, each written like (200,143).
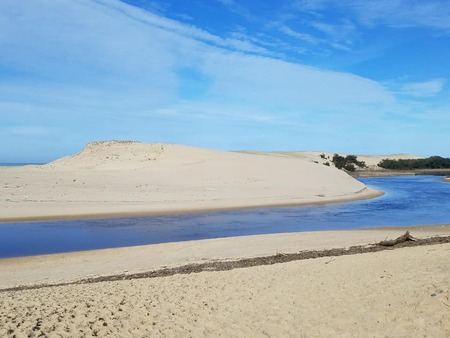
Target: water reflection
(411,200)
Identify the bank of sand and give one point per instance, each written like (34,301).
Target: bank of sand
(402,292)
(110,179)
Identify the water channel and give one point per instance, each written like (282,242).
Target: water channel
(408,200)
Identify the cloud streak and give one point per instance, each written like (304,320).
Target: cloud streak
(424,89)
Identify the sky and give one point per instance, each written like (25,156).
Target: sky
(345,76)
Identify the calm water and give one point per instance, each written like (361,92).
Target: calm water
(411,200)
(16,164)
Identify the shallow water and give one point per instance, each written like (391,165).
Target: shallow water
(409,200)
(7,164)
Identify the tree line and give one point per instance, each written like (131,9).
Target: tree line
(433,162)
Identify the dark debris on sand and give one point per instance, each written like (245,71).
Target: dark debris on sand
(405,240)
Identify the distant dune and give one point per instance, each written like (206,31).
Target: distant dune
(123,177)
(316,156)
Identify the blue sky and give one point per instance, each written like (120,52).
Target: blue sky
(350,76)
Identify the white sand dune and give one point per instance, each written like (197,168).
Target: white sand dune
(120,178)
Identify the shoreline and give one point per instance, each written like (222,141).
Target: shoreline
(240,263)
(75,266)
(367,193)
(390,173)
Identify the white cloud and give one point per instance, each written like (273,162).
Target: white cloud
(266,82)
(26,131)
(107,46)
(298,35)
(339,24)
(424,89)
(102,69)
(397,13)
(403,13)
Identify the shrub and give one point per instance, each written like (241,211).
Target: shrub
(349,167)
(348,163)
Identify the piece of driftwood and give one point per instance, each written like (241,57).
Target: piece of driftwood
(404,238)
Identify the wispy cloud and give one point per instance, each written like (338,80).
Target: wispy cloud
(403,13)
(298,35)
(424,89)
(396,13)
(340,25)
(104,69)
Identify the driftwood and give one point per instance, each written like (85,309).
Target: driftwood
(404,238)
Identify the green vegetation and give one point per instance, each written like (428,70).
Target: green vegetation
(349,163)
(433,162)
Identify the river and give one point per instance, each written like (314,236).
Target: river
(408,200)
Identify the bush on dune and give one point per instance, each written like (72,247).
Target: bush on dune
(349,162)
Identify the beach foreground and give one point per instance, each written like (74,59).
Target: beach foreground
(401,292)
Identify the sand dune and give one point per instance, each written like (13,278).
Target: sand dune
(117,178)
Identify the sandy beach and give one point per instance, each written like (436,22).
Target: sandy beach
(108,179)
(402,292)
(221,166)
(399,292)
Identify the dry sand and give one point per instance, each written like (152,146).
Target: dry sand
(394,293)
(131,178)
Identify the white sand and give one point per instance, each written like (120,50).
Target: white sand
(394,293)
(120,178)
